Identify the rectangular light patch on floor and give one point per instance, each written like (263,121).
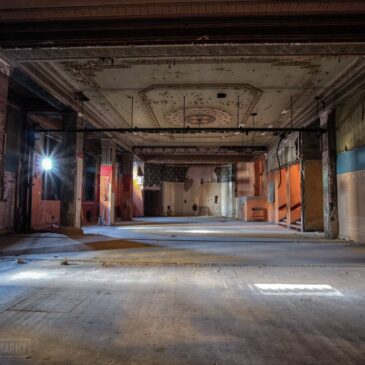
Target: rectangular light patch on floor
(297,289)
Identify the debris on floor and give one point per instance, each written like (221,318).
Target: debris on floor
(20,260)
(64,261)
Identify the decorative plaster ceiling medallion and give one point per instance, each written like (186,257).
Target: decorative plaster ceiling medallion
(195,117)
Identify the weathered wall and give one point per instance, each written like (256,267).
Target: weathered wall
(210,188)
(245,179)
(211,198)
(251,186)
(277,184)
(350,127)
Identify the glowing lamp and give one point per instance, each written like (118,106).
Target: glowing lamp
(46,164)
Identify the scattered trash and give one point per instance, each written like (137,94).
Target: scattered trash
(64,261)
(20,260)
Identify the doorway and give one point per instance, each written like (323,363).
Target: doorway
(152,203)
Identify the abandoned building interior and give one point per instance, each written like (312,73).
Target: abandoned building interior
(195,135)
(200,166)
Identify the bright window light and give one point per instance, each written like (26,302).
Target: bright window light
(46,164)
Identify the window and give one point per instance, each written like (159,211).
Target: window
(89,177)
(51,179)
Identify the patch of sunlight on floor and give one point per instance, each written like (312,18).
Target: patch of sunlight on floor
(296,289)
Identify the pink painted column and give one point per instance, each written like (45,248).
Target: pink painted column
(107,183)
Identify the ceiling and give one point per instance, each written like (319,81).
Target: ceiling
(56,23)
(212,86)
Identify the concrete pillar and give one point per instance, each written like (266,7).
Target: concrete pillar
(107,183)
(71,168)
(4,84)
(330,209)
(23,220)
(127,191)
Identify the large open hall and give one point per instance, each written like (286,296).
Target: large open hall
(182,182)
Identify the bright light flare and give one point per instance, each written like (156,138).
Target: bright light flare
(47,164)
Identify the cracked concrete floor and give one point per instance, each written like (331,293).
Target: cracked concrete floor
(184,292)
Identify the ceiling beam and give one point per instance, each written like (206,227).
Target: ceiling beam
(196,158)
(146,149)
(120,9)
(201,29)
(136,131)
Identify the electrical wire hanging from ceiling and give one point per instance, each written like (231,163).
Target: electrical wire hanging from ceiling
(253,126)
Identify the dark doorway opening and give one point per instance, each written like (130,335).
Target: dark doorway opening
(152,203)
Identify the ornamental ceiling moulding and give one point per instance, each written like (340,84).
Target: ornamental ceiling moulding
(254,92)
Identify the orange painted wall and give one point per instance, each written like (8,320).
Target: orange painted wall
(295,197)
(287,196)
(251,203)
(282,196)
(245,179)
(313,196)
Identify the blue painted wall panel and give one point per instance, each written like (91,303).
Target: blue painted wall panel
(350,161)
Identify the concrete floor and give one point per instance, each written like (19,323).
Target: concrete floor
(184,291)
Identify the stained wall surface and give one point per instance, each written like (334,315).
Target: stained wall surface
(195,190)
(211,199)
(350,124)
